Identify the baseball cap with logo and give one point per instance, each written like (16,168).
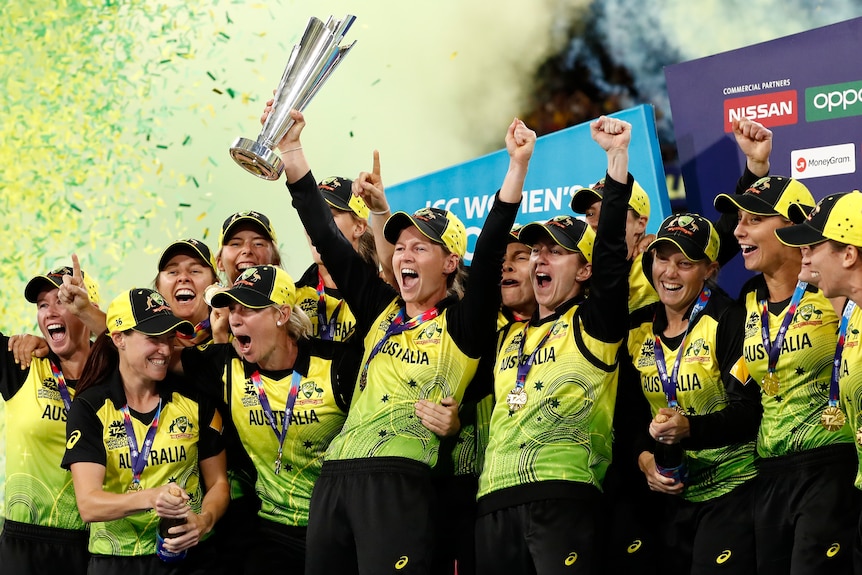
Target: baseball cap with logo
(769,196)
(146,311)
(585,197)
(836,217)
(193,246)
(338,194)
(239,218)
(439,226)
(692,234)
(259,287)
(514,234)
(567,231)
(54,279)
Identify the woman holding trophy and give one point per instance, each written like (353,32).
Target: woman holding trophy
(374,502)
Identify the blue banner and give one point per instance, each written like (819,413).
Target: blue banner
(562,163)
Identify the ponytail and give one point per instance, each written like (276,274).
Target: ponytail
(103,360)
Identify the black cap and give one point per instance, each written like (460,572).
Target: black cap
(769,196)
(567,231)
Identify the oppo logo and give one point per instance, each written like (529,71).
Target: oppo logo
(833,101)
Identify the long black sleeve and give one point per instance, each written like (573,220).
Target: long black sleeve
(358,282)
(605,312)
(740,419)
(726,224)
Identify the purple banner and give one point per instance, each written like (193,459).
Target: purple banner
(807,88)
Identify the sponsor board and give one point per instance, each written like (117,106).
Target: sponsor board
(774,109)
(823,161)
(833,101)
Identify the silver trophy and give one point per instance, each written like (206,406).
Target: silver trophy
(311,63)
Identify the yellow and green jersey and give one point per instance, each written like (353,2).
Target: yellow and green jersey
(791,417)
(713,387)
(318,414)
(851,383)
(38,491)
(307,298)
(419,363)
(189,431)
(641,292)
(563,431)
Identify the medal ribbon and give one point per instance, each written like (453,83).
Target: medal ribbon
(839,351)
(139,459)
(61,385)
(267,410)
(397,326)
(773,349)
(326,327)
(524,368)
(200,328)
(668,384)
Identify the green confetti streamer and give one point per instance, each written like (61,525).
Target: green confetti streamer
(187,140)
(231,93)
(184,205)
(211,76)
(217,91)
(161,146)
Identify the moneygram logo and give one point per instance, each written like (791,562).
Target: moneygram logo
(775,109)
(833,101)
(824,161)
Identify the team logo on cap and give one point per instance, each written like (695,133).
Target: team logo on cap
(248,278)
(425,214)
(239,215)
(156,303)
(759,186)
(61,271)
(561,221)
(330,183)
(814,212)
(684,224)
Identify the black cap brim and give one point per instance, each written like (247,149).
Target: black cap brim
(583,199)
(164,323)
(688,247)
(336,202)
(727,204)
(534,231)
(37,285)
(183,247)
(250,298)
(800,235)
(400,221)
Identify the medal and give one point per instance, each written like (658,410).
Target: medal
(278,464)
(363,380)
(134,486)
(680,410)
(832,418)
(770,383)
(516,399)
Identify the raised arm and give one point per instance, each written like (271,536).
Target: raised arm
(606,316)
(369,187)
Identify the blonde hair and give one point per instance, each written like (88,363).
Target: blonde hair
(298,325)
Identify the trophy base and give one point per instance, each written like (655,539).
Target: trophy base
(257,159)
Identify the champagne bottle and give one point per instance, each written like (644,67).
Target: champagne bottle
(166,523)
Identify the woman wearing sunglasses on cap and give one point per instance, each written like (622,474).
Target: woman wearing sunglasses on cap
(374,502)
(43,527)
(141,447)
(687,350)
(288,396)
(805,505)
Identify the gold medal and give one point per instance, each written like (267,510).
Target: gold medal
(770,384)
(363,380)
(516,399)
(135,486)
(832,418)
(680,410)
(278,465)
